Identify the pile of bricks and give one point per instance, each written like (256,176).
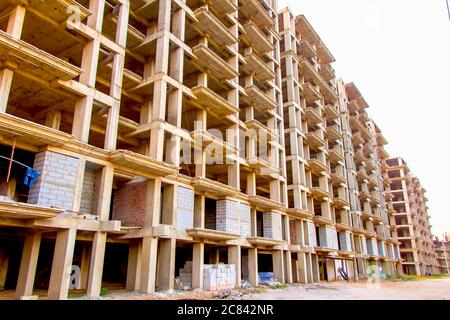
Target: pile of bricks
(186,275)
(219,277)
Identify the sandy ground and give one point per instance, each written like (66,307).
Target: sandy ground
(388,290)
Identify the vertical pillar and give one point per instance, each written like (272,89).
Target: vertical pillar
(96,266)
(85,258)
(278,265)
(4,261)
(99,243)
(197,265)
(134,266)
(28,265)
(6,78)
(166,264)
(234,257)
(149,244)
(199,211)
(288,267)
(62,263)
(148,267)
(16,21)
(302,268)
(253,266)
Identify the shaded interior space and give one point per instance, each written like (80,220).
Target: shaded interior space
(210,214)
(11,250)
(115,266)
(215,254)
(265,262)
(13,173)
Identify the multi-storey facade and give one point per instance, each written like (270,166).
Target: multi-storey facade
(144,141)
(442,249)
(412,219)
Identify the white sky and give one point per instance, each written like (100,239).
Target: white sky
(397,52)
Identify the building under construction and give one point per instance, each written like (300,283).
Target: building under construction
(412,219)
(442,249)
(159,144)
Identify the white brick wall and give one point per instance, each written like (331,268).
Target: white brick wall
(372,247)
(245,223)
(328,238)
(55,185)
(185,211)
(344,239)
(272,225)
(312,234)
(87,197)
(227,218)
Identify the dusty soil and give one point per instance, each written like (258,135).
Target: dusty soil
(387,290)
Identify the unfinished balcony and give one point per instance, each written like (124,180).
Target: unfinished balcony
(256,38)
(319,193)
(262,129)
(331,112)
(214,187)
(24,211)
(19,55)
(212,102)
(337,178)
(315,139)
(327,72)
(333,133)
(211,141)
(208,24)
(222,6)
(335,156)
(357,139)
(313,116)
(368,150)
(307,50)
(310,93)
(59,11)
(361,174)
(254,10)
(207,59)
(359,156)
(316,166)
(259,99)
(141,163)
(370,165)
(312,75)
(254,65)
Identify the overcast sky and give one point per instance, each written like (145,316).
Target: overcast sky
(397,52)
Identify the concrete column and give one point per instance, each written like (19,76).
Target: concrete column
(234,257)
(253,266)
(166,264)
(199,211)
(315,268)
(148,266)
(288,267)
(355,268)
(4,261)
(302,270)
(6,77)
(134,266)
(278,266)
(198,256)
(28,265)
(85,258)
(96,266)
(62,264)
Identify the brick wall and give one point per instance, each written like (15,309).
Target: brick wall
(227,218)
(185,213)
(55,185)
(129,204)
(328,238)
(345,241)
(245,216)
(272,225)
(312,239)
(372,247)
(87,196)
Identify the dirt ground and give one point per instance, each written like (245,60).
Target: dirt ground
(387,290)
